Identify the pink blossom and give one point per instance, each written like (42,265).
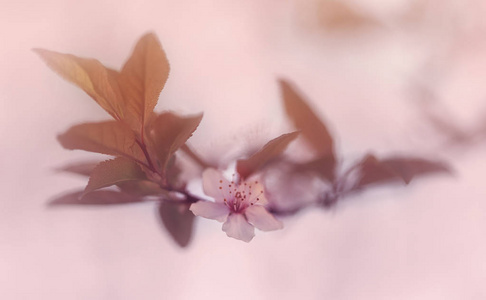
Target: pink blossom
(240,205)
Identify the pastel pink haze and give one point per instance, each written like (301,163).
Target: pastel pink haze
(240,205)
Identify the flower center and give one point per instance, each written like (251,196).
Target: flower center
(238,196)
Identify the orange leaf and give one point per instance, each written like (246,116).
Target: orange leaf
(110,137)
(142,79)
(113,171)
(272,149)
(91,76)
(169,132)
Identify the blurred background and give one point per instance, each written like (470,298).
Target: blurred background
(392,76)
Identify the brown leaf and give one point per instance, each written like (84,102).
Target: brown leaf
(95,198)
(312,129)
(113,171)
(110,137)
(169,132)
(323,166)
(373,171)
(142,78)
(89,75)
(272,149)
(178,220)
(404,169)
(410,167)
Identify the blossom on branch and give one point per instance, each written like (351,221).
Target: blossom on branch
(240,205)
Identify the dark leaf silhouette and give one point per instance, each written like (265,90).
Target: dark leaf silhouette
(323,166)
(95,198)
(178,220)
(114,171)
(312,129)
(411,167)
(272,149)
(374,171)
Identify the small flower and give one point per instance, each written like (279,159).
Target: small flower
(239,205)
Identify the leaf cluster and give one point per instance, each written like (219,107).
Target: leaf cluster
(144,145)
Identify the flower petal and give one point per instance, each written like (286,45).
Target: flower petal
(212,181)
(210,210)
(236,226)
(257,192)
(262,219)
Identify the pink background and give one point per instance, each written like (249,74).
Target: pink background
(424,241)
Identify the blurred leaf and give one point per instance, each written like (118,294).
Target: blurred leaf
(95,198)
(373,171)
(174,172)
(113,171)
(272,149)
(143,77)
(323,166)
(81,168)
(110,137)
(306,120)
(312,129)
(170,132)
(410,167)
(196,157)
(91,76)
(338,15)
(178,220)
(404,169)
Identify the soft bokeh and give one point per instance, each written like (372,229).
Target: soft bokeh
(362,66)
